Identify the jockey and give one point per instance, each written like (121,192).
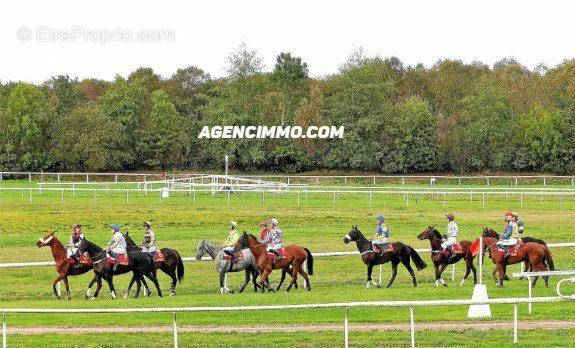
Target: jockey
(275,238)
(382,233)
(510,235)
(229,246)
(265,235)
(520,226)
(75,239)
(116,245)
(149,243)
(452,233)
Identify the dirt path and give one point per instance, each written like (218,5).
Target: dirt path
(563,324)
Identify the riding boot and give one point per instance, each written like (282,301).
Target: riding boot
(75,258)
(276,253)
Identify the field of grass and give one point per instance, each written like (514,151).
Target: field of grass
(317,223)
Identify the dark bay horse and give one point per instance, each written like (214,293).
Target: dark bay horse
(141,264)
(64,267)
(295,256)
(401,253)
(532,253)
(441,260)
(172,265)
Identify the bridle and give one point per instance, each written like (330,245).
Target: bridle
(46,241)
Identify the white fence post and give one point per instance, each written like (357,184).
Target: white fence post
(481,260)
(4,330)
(453,273)
(412,326)
(175,332)
(515,323)
(346,328)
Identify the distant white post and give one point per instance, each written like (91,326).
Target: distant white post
(4,330)
(346,328)
(175,332)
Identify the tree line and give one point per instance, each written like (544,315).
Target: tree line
(450,117)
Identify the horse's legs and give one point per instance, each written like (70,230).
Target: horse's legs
(90,286)
(295,270)
(127,293)
(306,277)
(152,276)
(222,276)
(246,281)
(437,274)
(468,262)
(263,277)
(394,263)
(110,280)
(65,279)
(407,265)
(284,272)
(474,271)
(98,287)
(138,286)
(438,278)
(54,282)
(369,270)
(501,271)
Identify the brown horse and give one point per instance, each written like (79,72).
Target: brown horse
(441,260)
(64,266)
(532,253)
(294,256)
(400,253)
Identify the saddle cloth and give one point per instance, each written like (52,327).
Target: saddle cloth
(239,256)
(158,257)
(457,249)
(82,258)
(280,251)
(122,259)
(388,248)
(512,250)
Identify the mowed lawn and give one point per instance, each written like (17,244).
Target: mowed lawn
(317,223)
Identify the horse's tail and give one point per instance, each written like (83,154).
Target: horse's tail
(309,261)
(179,267)
(549,258)
(419,263)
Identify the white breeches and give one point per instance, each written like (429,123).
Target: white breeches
(149,249)
(71,251)
(507,242)
(273,246)
(381,240)
(119,250)
(449,242)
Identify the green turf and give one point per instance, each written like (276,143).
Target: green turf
(316,223)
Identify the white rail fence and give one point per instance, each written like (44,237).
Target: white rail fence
(297,193)
(514,180)
(346,306)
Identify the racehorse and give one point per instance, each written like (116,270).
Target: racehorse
(171,264)
(441,260)
(400,253)
(489,232)
(532,253)
(294,256)
(140,263)
(223,265)
(64,266)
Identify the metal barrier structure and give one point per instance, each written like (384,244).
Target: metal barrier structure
(346,306)
(529,275)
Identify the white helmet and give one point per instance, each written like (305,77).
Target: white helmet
(274,221)
(233,224)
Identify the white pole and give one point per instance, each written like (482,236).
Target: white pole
(412,326)
(4,331)
(453,273)
(380,274)
(481,260)
(346,328)
(530,293)
(175,332)
(515,323)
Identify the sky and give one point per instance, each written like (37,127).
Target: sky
(102,39)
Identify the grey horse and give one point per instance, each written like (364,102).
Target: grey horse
(223,266)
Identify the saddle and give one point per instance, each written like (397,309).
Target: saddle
(281,252)
(85,260)
(388,248)
(511,251)
(238,256)
(457,249)
(158,257)
(123,259)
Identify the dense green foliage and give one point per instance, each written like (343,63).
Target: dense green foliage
(450,117)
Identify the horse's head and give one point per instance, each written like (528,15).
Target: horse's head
(428,233)
(46,240)
(242,242)
(489,232)
(201,250)
(129,241)
(353,235)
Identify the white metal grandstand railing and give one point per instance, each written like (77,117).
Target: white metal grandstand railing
(344,305)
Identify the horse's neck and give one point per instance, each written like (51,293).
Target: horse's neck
(255,247)
(58,250)
(494,234)
(435,241)
(212,250)
(363,244)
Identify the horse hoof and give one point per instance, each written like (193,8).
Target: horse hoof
(172,293)
(92,299)
(378,286)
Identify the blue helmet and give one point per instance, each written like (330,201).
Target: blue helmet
(115,227)
(379,217)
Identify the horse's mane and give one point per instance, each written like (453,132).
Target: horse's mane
(436,233)
(361,237)
(93,245)
(129,241)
